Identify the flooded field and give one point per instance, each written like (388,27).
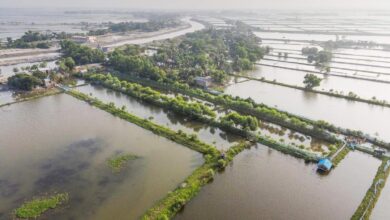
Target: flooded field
(340,112)
(210,135)
(207,134)
(265,184)
(364,89)
(60,144)
(14,22)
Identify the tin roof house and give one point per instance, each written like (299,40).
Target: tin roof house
(324,165)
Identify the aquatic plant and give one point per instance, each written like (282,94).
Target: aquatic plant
(117,162)
(36,207)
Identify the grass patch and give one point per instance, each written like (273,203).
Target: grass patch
(368,203)
(342,154)
(36,207)
(118,162)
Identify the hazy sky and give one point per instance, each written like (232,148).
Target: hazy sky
(202,4)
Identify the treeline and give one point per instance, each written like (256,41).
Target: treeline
(81,54)
(178,104)
(34,39)
(150,26)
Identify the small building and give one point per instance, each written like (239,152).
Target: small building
(203,81)
(84,39)
(379,152)
(324,165)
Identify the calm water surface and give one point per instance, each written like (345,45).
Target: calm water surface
(266,184)
(347,114)
(61,144)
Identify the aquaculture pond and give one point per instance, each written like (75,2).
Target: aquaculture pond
(382,207)
(59,144)
(158,115)
(363,88)
(341,112)
(210,135)
(263,183)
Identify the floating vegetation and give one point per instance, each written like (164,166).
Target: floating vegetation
(36,207)
(117,162)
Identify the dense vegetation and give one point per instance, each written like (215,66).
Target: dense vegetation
(150,26)
(30,39)
(321,58)
(36,207)
(23,81)
(245,122)
(81,54)
(209,52)
(310,81)
(117,162)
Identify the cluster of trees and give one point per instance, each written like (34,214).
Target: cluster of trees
(319,57)
(30,39)
(129,60)
(245,122)
(81,54)
(210,52)
(23,81)
(66,64)
(310,81)
(150,26)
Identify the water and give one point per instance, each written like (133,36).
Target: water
(364,89)
(195,26)
(265,184)
(174,121)
(341,112)
(61,144)
(14,22)
(382,207)
(214,136)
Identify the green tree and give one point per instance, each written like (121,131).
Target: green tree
(24,81)
(311,81)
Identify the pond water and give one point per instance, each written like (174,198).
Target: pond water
(205,133)
(265,184)
(341,112)
(382,207)
(211,135)
(363,88)
(61,144)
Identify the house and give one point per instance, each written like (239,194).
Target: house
(84,39)
(203,81)
(324,165)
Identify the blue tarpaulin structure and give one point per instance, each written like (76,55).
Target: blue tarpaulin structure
(324,165)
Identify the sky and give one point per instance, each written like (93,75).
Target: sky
(201,4)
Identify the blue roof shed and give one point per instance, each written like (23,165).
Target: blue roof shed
(324,165)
